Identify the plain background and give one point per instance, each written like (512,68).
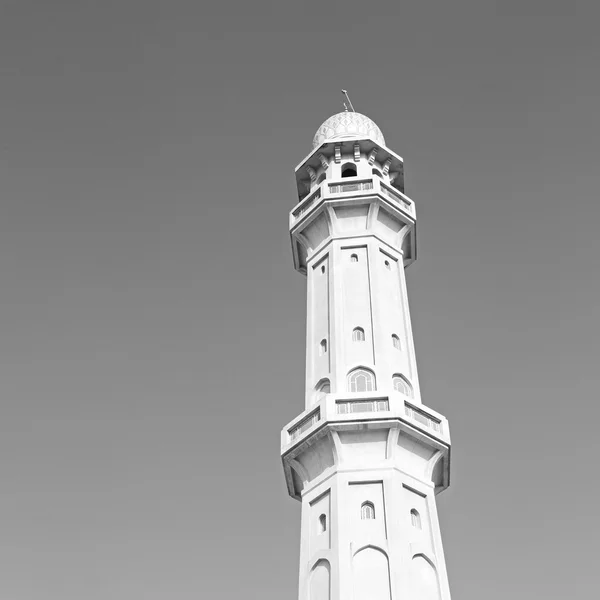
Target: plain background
(152,325)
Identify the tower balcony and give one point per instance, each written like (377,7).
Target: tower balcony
(374,207)
(367,411)
(348,189)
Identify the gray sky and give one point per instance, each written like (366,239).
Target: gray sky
(152,325)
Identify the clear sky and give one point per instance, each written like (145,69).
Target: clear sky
(152,325)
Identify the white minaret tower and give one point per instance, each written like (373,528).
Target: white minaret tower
(366,457)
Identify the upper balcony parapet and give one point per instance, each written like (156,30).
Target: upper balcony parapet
(350,188)
(328,161)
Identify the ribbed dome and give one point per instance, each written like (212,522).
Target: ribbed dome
(348,125)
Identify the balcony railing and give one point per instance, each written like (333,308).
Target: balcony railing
(394,195)
(304,425)
(307,203)
(422,417)
(345,407)
(355,186)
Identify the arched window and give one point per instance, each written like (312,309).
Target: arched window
(322,268)
(321,178)
(348,170)
(361,380)
(395,341)
(415,518)
(354,258)
(367,511)
(322,388)
(322,523)
(322,347)
(358,334)
(402,385)
(377,172)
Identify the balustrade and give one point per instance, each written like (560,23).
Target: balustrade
(304,425)
(422,417)
(394,195)
(307,203)
(345,407)
(355,186)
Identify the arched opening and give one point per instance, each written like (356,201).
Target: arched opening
(322,347)
(354,258)
(361,380)
(321,178)
(322,523)
(348,170)
(415,518)
(395,341)
(377,172)
(402,385)
(358,334)
(367,511)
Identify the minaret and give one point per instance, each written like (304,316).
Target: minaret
(366,458)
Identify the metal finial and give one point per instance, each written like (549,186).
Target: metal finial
(349,101)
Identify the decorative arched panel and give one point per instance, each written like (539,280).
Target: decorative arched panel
(371,575)
(402,385)
(322,389)
(361,380)
(424,579)
(320,581)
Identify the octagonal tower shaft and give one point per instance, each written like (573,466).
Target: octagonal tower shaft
(366,457)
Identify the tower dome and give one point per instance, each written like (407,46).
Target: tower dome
(348,125)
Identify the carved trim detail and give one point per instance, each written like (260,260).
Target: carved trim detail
(372,156)
(356,152)
(300,470)
(392,442)
(386,166)
(338,153)
(324,162)
(312,173)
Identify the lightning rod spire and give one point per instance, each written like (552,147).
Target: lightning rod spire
(349,101)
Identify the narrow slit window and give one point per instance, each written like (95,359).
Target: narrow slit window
(358,334)
(415,518)
(395,341)
(322,523)
(354,258)
(367,511)
(323,347)
(387,265)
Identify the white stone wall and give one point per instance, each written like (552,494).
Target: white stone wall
(358,282)
(398,553)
